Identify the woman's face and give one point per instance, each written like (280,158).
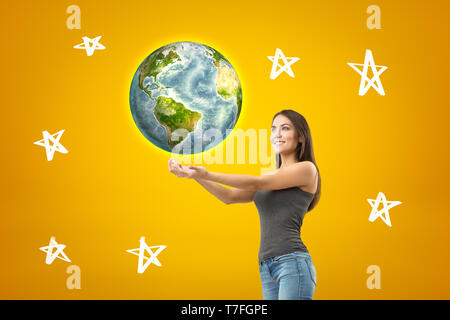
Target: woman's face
(284,137)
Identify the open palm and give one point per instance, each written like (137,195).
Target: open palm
(179,170)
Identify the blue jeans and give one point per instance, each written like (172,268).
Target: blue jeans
(291,276)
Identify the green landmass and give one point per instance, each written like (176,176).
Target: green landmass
(174,115)
(217,56)
(239,101)
(224,93)
(154,64)
(237,92)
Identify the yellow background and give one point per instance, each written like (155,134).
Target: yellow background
(114,187)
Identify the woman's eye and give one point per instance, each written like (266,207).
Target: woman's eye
(285,128)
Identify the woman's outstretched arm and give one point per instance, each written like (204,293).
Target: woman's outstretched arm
(227,196)
(220,192)
(298,174)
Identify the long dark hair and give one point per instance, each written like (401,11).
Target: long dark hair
(304,150)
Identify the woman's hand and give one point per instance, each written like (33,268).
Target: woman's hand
(191,172)
(197,172)
(177,169)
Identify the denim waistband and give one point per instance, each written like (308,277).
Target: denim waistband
(296,253)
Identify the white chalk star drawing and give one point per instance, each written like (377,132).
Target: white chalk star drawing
(50,150)
(143,247)
(375,81)
(87,45)
(287,64)
(59,250)
(386,206)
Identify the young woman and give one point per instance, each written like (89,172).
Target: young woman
(282,198)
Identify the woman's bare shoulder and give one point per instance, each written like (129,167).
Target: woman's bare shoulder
(310,163)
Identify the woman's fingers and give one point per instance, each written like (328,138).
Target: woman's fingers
(171,166)
(176,168)
(179,170)
(173,169)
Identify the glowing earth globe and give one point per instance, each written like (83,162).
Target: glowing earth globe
(180,92)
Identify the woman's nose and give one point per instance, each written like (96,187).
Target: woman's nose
(278,133)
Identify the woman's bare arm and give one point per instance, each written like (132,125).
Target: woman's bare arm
(227,196)
(241,196)
(298,174)
(220,192)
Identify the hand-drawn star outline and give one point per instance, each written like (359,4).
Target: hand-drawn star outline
(287,64)
(50,150)
(368,61)
(143,247)
(386,206)
(90,49)
(52,256)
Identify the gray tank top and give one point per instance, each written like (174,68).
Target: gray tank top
(281,215)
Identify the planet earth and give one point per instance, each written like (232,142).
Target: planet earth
(181,92)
